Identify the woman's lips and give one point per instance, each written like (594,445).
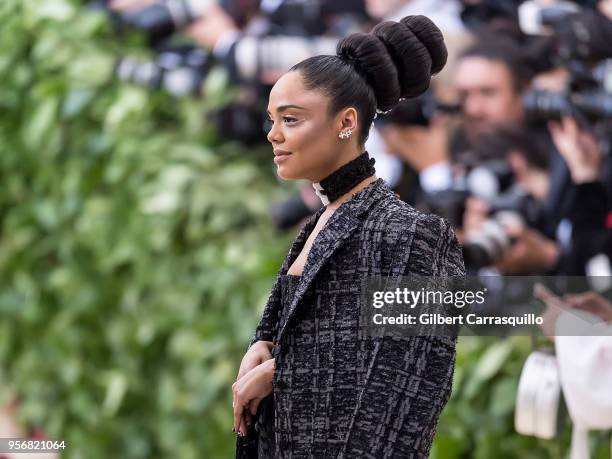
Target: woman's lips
(280,156)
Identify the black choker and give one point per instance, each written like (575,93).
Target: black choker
(345,178)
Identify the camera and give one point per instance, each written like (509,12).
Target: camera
(165,18)
(485,178)
(579,40)
(492,180)
(546,105)
(178,71)
(491,240)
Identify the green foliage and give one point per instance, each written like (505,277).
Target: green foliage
(136,251)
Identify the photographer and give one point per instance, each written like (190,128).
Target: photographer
(511,229)
(590,207)
(492,79)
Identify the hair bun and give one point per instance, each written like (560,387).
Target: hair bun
(431,37)
(396,58)
(416,47)
(368,55)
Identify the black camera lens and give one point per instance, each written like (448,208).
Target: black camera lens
(161,20)
(155,20)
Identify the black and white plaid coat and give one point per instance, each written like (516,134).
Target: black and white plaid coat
(335,392)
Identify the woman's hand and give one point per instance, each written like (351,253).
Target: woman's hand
(249,390)
(258,353)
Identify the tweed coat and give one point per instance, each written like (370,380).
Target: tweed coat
(337,393)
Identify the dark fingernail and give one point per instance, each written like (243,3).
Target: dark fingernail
(234,429)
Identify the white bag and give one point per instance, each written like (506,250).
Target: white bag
(585,369)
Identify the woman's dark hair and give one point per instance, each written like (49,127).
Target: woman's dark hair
(374,70)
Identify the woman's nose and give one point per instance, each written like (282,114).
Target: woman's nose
(275,135)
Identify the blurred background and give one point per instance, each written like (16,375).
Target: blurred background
(142,223)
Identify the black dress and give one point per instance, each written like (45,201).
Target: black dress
(264,424)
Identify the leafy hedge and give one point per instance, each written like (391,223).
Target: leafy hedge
(135,250)
(136,253)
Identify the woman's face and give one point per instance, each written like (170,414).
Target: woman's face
(304,139)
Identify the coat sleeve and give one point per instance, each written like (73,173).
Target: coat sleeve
(435,249)
(409,378)
(268,324)
(267,327)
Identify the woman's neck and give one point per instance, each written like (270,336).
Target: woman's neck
(345,180)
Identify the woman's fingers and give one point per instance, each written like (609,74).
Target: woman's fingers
(241,401)
(238,405)
(253,405)
(243,427)
(238,409)
(244,369)
(248,391)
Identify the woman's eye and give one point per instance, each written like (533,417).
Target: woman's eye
(287,119)
(269,122)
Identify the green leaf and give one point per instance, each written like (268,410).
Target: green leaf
(488,366)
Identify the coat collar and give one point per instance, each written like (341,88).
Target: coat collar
(342,223)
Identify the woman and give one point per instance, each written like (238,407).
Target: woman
(311,385)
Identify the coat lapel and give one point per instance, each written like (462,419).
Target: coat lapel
(340,226)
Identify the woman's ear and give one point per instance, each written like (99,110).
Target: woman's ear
(348,119)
